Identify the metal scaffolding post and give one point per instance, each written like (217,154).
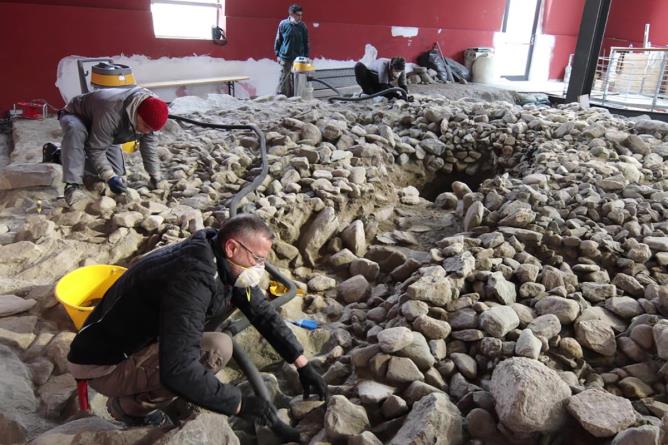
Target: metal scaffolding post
(592,28)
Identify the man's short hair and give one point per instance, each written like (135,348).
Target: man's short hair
(295,8)
(398,63)
(246,226)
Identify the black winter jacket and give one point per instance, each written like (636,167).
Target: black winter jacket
(291,40)
(171,295)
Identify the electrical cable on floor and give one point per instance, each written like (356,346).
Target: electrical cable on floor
(340,97)
(397,90)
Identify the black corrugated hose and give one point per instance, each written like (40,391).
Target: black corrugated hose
(341,97)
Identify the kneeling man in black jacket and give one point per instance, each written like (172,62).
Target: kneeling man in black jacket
(150,339)
(380,75)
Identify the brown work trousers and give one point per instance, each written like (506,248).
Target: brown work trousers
(286,82)
(136,380)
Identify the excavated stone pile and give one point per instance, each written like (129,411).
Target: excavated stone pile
(525,308)
(422,75)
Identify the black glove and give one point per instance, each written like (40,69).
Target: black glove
(410,98)
(312,382)
(258,410)
(116,185)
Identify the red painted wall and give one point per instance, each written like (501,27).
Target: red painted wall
(342,31)
(38,33)
(626,23)
(42,34)
(561,19)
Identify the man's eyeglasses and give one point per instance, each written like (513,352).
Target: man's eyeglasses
(258,259)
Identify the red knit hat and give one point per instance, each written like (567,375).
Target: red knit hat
(154,112)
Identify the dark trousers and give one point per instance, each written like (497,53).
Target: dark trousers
(286,82)
(368,81)
(135,382)
(74,159)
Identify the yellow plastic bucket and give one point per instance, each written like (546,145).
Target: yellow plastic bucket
(130,147)
(277,289)
(84,285)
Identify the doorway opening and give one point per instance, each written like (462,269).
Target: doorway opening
(520,26)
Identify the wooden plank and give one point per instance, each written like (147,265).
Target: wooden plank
(183,82)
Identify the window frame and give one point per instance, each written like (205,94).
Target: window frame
(217,4)
(534,32)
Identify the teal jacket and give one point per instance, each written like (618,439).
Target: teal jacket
(291,40)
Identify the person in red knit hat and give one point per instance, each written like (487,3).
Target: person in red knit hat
(153,113)
(95,124)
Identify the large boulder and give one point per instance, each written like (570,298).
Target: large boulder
(18,403)
(434,420)
(641,435)
(58,349)
(55,393)
(402,370)
(660,335)
(461,265)
(18,176)
(432,289)
(16,392)
(394,339)
(353,289)
(354,238)
(419,352)
(499,320)
(97,431)
(501,289)
(596,335)
(17,332)
(316,234)
(11,305)
(566,310)
(600,413)
(529,396)
(344,419)
(206,429)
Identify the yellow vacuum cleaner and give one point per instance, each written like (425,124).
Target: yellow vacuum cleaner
(105,74)
(302,65)
(301,68)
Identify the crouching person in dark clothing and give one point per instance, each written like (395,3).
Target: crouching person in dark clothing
(150,339)
(381,74)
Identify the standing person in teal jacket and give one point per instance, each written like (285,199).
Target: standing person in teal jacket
(291,42)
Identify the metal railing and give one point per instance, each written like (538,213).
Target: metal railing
(633,78)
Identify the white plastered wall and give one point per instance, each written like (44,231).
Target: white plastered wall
(263,73)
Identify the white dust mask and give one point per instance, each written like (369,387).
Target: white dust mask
(250,276)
